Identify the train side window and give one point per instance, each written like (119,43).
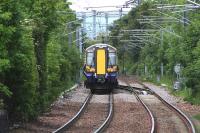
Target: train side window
(112,59)
(90,59)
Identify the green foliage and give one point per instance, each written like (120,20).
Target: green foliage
(4,65)
(63,64)
(197,117)
(171,51)
(6,32)
(5,90)
(35,63)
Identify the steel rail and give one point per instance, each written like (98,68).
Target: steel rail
(131,89)
(182,116)
(75,117)
(148,110)
(109,116)
(190,126)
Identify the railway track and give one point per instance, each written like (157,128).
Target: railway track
(132,90)
(102,125)
(65,127)
(109,116)
(187,122)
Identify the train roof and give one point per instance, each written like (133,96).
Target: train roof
(100,45)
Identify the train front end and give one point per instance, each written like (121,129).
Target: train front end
(100,67)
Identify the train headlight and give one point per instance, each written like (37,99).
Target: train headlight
(115,68)
(92,70)
(108,69)
(87,69)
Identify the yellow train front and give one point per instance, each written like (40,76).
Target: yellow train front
(100,67)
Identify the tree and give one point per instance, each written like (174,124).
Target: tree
(32,55)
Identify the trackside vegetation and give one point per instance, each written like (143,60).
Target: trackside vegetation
(180,45)
(36,63)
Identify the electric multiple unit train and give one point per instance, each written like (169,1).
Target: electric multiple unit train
(100,67)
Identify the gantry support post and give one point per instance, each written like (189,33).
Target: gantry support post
(94,24)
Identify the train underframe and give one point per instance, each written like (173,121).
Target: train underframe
(101,83)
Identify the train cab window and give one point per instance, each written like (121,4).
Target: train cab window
(90,59)
(112,59)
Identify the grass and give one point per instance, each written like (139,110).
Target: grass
(164,80)
(184,92)
(197,117)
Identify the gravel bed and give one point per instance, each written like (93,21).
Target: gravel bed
(188,109)
(123,96)
(129,118)
(129,115)
(93,117)
(166,120)
(100,99)
(62,110)
(162,92)
(191,111)
(121,82)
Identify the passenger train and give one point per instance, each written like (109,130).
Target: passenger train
(100,68)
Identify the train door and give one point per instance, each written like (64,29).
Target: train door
(101,62)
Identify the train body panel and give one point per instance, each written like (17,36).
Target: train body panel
(101,61)
(100,67)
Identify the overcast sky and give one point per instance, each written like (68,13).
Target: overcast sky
(79,5)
